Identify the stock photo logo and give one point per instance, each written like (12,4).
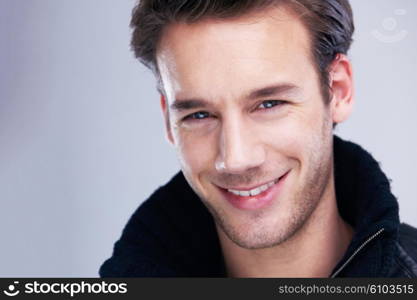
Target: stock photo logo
(12,291)
(391,33)
(65,288)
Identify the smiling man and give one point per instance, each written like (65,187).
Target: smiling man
(251,92)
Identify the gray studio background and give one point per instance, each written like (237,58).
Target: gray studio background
(81,137)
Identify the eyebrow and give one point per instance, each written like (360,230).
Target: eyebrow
(274,90)
(188,104)
(268,91)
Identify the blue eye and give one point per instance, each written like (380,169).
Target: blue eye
(270,104)
(198,116)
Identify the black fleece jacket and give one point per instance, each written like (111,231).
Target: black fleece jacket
(172,234)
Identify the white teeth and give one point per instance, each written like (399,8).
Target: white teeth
(255,191)
(244,193)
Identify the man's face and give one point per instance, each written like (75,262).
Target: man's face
(244,110)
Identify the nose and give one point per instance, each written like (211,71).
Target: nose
(240,148)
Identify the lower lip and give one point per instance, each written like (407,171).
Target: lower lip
(259,201)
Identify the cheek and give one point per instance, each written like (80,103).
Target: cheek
(289,135)
(196,154)
(294,137)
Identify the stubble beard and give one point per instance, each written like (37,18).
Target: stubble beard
(303,203)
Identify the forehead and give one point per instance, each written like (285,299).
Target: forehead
(213,56)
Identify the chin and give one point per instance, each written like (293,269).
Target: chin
(268,228)
(252,232)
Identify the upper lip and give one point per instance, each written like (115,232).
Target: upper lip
(246,188)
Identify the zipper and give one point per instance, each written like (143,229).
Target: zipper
(357,251)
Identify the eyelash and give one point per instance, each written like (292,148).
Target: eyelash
(191,117)
(276,103)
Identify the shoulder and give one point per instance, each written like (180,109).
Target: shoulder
(156,239)
(407,249)
(408,239)
(150,238)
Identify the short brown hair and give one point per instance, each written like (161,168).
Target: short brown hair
(330,23)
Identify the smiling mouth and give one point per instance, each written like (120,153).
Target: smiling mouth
(255,191)
(244,192)
(255,197)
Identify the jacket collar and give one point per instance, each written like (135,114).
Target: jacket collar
(365,201)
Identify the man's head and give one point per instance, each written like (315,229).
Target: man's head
(329,22)
(250,91)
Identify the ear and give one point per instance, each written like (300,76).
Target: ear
(341,86)
(165,112)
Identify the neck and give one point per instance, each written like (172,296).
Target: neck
(313,251)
